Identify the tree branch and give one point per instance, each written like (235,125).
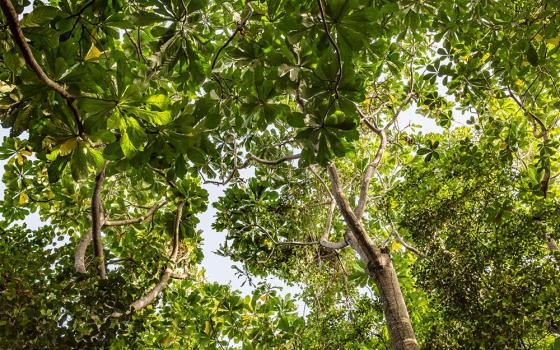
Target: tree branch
(80,253)
(532,117)
(240,26)
(336,48)
(358,238)
(405,244)
(13,23)
(85,240)
(167,274)
(324,240)
(245,164)
(263,230)
(274,161)
(97,223)
(136,220)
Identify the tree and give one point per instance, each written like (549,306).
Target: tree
(129,109)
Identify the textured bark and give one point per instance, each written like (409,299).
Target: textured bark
(380,268)
(97,223)
(167,274)
(80,253)
(398,320)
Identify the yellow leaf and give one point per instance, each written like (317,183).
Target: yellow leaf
(395,246)
(67,147)
(93,53)
(553,41)
(207,327)
(519,82)
(20,159)
(525,63)
(264,297)
(167,340)
(23,198)
(485,57)
(538,37)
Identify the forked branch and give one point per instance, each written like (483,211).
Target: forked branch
(85,240)
(167,273)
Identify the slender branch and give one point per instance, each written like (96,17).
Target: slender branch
(336,48)
(368,174)
(325,237)
(136,220)
(274,161)
(405,244)
(85,240)
(162,174)
(239,29)
(245,164)
(136,46)
(532,117)
(327,189)
(298,243)
(167,274)
(97,223)
(13,23)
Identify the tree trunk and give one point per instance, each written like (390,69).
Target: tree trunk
(398,321)
(380,268)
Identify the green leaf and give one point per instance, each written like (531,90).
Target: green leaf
(296,119)
(156,117)
(532,55)
(144,18)
(79,162)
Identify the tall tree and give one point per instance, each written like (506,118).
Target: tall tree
(128,108)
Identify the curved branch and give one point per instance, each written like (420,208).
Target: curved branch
(324,240)
(274,161)
(13,23)
(405,244)
(368,174)
(85,240)
(167,274)
(97,223)
(250,158)
(136,220)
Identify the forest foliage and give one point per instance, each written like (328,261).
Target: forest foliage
(122,113)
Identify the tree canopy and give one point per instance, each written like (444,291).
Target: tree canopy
(122,113)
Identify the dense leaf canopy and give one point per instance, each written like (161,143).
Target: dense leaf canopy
(122,114)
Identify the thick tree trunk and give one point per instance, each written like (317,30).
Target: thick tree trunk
(398,321)
(380,268)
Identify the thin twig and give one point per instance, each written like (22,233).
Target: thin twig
(336,49)
(240,26)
